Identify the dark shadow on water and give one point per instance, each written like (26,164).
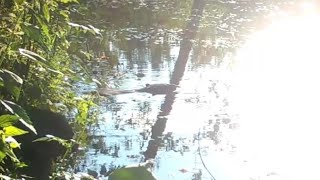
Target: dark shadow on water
(185,48)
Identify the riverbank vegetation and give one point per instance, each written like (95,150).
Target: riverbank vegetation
(42,52)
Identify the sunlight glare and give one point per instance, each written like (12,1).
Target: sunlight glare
(308,7)
(277,95)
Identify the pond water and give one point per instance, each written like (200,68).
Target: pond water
(246,111)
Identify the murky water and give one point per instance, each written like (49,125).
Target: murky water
(233,122)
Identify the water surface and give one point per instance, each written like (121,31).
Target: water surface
(245,108)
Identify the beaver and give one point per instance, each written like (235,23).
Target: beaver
(156,89)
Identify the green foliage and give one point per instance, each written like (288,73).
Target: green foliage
(13,131)
(8,131)
(41,53)
(7,142)
(8,120)
(131,173)
(19,112)
(11,82)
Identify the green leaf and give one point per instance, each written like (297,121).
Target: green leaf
(2,148)
(43,26)
(68,1)
(20,165)
(10,153)
(79,25)
(95,30)
(14,90)
(49,138)
(7,106)
(19,2)
(11,82)
(16,109)
(64,13)
(2,155)
(19,111)
(32,55)
(1,82)
(131,173)
(29,126)
(14,76)
(55,71)
(3,176)
(13,131)
(12,142)
(46,12)
(32,32)
(38,58)
(8,120)
(12,15)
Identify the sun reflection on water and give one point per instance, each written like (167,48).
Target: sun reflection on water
(276,92)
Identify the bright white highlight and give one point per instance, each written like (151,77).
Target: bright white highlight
(308,7)
(277,94)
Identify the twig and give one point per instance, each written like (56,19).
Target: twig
(204,165)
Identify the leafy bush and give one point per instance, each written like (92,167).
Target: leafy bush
(41,53)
